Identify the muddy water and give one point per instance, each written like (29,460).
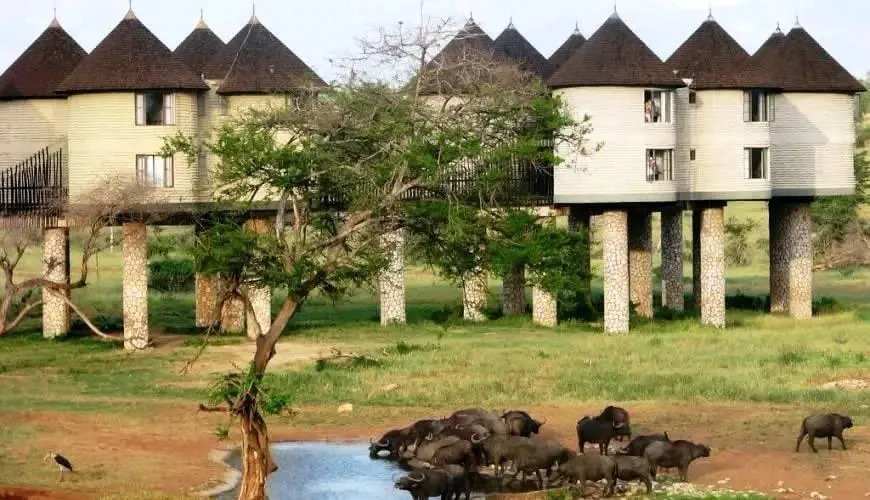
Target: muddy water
(331,471)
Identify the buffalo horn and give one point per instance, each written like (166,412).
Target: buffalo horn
(383,443)
(411,477)
(619,425)
(475,439)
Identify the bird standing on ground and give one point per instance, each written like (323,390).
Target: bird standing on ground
(62,463)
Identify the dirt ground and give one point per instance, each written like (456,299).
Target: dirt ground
(752,446)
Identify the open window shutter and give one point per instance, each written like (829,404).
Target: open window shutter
(669,99)
(747,163)
(747,106)
(140,170)
(140,109)
(169,109)
(169,174)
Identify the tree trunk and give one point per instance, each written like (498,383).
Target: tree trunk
(257,461)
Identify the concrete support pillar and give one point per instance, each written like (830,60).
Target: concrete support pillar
(696,257)
(232,313)
(55,268)
(791,259)
(474,297)
(259,317)
(206,299)
(514,291)
(391,282)
(616,279)
(713,266)
(580,220)
(672,259)
(544,308)
(778,259)
(640,263)
(135,284)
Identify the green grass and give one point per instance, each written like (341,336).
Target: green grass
(759,358)
(443,364)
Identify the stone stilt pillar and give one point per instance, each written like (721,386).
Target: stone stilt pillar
(474,297)
(544,308)
(580,220)
(232,313)
(135,284)
(391,282)
(672,259)
(696,257)
(55,268)
(640,263)
(259,317)
(206,298)
(791,270)
(514,291)
(616,279)
(778,259)
(713,266)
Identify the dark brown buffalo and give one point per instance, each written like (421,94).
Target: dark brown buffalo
(823,426)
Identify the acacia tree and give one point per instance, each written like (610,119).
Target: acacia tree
(337,167)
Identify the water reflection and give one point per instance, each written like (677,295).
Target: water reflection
(331,471)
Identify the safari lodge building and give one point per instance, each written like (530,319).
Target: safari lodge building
(709,125)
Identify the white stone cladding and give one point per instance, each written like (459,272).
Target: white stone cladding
(391,282)
(135,286)
(55,268)
(616,279)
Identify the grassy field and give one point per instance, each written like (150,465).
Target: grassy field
(440,364)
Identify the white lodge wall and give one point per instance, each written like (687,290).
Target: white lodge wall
(616,173)
(719,138)
(104,141)
(26,126)
(813,145)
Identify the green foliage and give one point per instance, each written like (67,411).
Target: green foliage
(450,237)
(171,275)
(836,218)
(737,247)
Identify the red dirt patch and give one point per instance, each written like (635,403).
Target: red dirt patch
(34,494)
(167,449)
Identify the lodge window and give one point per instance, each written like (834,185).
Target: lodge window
(659,165)
(692,155)
(155,171)
(693,97)
(155,108)
(756,162)
(657,106)
(758,106)
(202,104)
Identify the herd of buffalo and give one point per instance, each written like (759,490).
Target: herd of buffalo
(445,455)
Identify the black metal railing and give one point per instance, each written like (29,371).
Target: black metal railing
(34,192)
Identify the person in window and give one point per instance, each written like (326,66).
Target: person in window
(648,111)
(651,168)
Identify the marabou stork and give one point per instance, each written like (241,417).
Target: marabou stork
(62,463)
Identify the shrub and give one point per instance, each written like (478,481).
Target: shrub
(171,275)
(737,248)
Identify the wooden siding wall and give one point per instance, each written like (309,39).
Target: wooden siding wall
(27,126)
(813,144)
(616,173)
(719,138)
(104,141)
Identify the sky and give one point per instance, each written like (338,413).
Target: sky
(325,30)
